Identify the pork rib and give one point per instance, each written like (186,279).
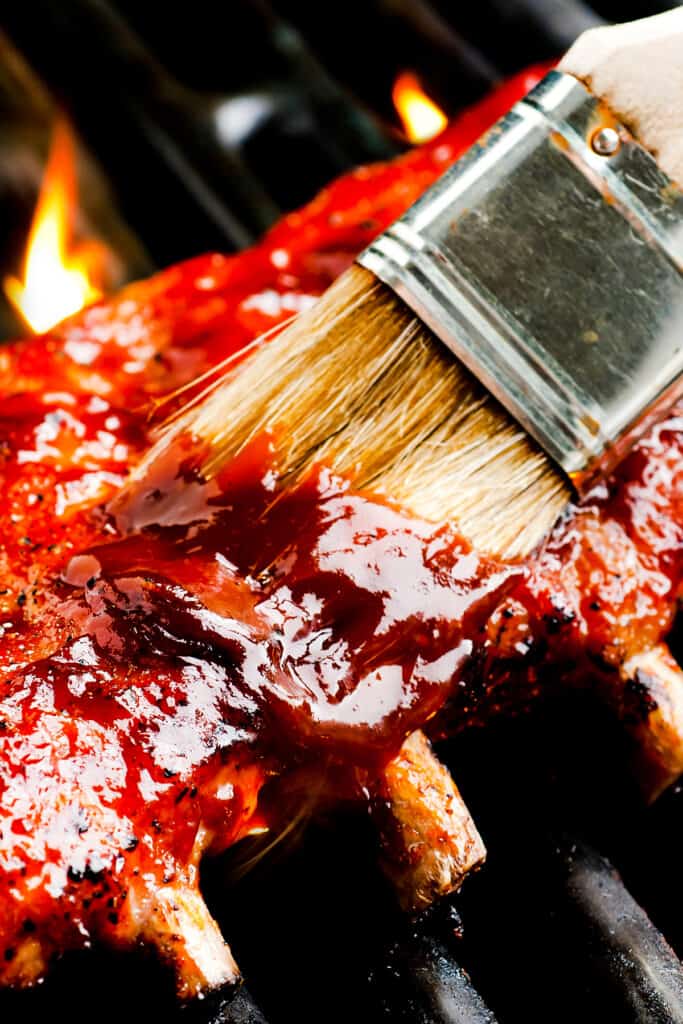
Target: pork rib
(141,677)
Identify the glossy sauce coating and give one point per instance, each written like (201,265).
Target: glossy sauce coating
(152,683)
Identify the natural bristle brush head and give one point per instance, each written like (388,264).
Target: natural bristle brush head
(359,384)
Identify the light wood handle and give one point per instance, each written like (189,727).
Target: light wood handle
(637,69)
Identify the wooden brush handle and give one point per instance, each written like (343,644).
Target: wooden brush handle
(637,69)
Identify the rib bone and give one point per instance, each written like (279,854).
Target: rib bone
(653,711)
(175,919)
(429,840)
(187,937)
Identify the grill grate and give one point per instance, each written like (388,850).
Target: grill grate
(548,930)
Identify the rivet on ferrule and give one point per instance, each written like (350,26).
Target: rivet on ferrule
(605,142)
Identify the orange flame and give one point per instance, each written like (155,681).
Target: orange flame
(421,117)
(59,277)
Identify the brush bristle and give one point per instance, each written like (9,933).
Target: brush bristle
(359,384)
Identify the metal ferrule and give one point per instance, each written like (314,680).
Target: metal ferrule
(549,259)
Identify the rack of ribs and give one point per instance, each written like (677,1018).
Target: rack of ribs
(224,659)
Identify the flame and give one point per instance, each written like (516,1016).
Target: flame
(59,277)
(421,117)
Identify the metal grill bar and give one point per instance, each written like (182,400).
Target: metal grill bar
(600,935)
(213,188)
(231,1007)
(525,29)
(421,980)
(134,98)
(616,939)
(605,934)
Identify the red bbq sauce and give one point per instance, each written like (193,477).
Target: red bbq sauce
(153,681)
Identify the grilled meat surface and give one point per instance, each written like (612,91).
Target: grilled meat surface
(178,675)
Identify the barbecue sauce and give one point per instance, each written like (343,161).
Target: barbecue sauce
(157,672)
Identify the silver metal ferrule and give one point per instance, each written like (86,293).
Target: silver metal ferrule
(549,259)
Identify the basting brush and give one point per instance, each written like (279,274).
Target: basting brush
(509,337)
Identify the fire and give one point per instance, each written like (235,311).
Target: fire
(59,277)
(421,117)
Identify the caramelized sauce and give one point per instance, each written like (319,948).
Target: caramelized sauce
(155,673)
